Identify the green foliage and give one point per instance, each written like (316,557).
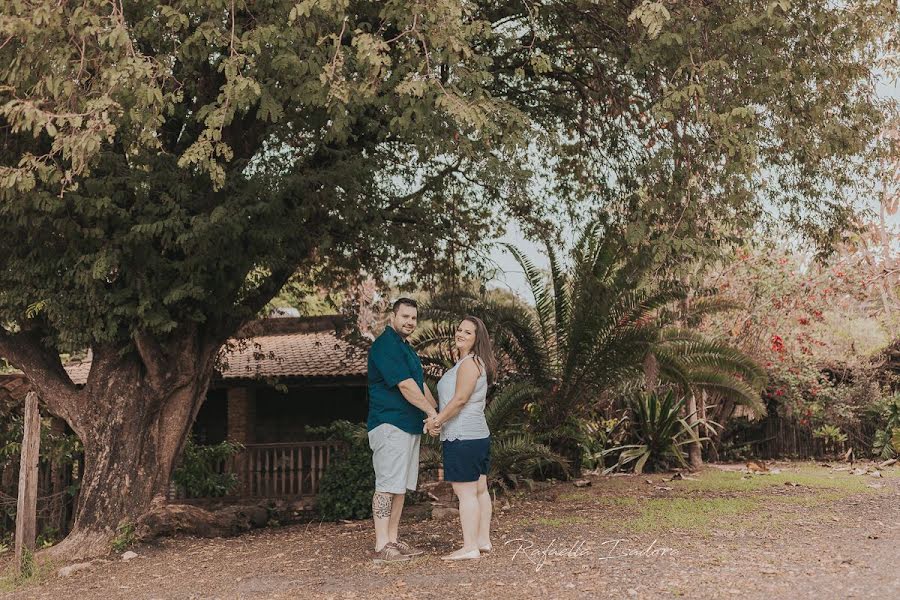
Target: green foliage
(723,112)
(886,443)
(346,487)
(515,452)
(183,162)
(602,434)
(658,431)
(125,537)
(48,537)
(831,435)
(27,566)
(592,329)
(54,447)
(700,364)
(199,473)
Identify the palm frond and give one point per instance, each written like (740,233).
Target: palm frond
(728,387)
(523,455)
(542,293)
(561,300)
(508,402)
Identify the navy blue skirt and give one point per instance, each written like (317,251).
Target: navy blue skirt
(466,460)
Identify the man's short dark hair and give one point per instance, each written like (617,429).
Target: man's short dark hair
(404,302)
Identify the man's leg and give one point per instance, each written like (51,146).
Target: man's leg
(396,511)
(381,514)
(411,470)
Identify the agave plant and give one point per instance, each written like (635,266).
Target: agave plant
(659,431)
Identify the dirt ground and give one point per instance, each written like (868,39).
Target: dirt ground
(802,530)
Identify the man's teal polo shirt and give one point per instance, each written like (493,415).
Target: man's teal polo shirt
(392,360)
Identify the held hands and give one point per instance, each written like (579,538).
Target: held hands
(432,427)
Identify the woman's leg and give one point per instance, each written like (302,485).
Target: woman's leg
(484,512)
(469,516)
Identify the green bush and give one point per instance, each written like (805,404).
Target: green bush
(658,432)
(887,438)
(199,474)
(125,537)
(346,487)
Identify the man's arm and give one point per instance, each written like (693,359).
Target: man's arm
(413,394)
(430,396)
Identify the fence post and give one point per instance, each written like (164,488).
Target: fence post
(26,508)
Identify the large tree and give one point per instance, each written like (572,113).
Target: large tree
(166,167)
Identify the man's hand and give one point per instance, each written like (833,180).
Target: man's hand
(432,427)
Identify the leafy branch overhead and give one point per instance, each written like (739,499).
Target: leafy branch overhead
(188,79)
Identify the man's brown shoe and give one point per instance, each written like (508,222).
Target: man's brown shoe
(390,553)
(408,550)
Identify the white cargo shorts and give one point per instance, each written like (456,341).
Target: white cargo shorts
(395,457)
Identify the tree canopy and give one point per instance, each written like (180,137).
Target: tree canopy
(177,162)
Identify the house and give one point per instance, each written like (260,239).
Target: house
(277,377)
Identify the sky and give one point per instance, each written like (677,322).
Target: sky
(510,275)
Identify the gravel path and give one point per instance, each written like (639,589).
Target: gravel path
(809,531)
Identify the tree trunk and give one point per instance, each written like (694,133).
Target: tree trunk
(695,450)
(133,418)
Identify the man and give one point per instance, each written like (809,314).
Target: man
(399,402)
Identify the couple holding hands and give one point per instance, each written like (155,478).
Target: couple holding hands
(400,403)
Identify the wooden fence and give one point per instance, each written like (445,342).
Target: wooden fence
(262,470)
(275,470)
(780,437)
(57,493)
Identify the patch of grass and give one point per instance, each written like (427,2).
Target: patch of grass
(683,513)
(815,498)
(559,521)
(574,496)
(33,574)
(807,476)
(616,501)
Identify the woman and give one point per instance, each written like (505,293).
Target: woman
(465,435)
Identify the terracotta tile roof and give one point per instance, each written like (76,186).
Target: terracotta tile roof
(303,353)
(302,347)
(13,389)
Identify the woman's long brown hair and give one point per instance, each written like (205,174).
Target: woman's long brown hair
(482,348)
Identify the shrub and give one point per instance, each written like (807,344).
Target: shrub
(832,436)
(346,487)
(887,438)
(125,537)
(200,473)
(658,432)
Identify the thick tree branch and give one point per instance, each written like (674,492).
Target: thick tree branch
(44,369)
(154,359)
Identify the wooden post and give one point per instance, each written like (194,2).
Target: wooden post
(26,508)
